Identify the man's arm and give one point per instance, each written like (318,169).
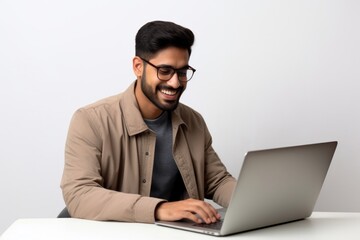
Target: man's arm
(219,183)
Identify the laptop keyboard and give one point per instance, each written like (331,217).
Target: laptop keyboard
(216,226)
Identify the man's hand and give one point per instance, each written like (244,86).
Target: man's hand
(192,209)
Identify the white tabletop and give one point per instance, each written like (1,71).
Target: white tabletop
(320,225)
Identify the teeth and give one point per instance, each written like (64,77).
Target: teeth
(168,92)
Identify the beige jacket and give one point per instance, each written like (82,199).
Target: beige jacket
(109,156)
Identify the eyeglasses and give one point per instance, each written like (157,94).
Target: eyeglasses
(165,72)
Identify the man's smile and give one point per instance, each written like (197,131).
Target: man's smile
(168,92)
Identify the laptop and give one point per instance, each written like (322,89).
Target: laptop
(274,186)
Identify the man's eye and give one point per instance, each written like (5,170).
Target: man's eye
(165,71)
(181,73)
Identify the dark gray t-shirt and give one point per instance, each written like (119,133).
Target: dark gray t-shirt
(166,180)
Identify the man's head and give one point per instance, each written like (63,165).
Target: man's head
(158,35)
(161,65)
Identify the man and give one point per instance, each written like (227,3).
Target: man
(142,156)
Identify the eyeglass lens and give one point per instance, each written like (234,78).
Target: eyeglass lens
(166,73)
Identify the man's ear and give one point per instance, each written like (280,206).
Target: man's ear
(138,66)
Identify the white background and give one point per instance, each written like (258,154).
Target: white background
(269,74)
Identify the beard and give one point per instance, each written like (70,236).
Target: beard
(164,105)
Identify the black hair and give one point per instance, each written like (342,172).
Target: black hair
(157,35)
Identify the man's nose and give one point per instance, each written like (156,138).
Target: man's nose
(174,81)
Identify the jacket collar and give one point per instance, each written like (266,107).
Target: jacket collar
(133,120)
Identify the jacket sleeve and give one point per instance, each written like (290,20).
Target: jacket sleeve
(82,183)
(219,184)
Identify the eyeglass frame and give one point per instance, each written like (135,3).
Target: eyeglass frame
(175,70)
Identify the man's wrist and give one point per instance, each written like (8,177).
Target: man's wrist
(156,215)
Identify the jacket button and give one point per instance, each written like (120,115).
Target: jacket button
(147,153)
(144,180)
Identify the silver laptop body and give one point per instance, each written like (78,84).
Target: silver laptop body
(274,186)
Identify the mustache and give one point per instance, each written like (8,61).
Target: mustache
(164,87)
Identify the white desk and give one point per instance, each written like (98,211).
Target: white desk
(319,226)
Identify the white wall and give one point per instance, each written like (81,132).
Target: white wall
(269,73)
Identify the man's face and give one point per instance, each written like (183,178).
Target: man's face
(165,95)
